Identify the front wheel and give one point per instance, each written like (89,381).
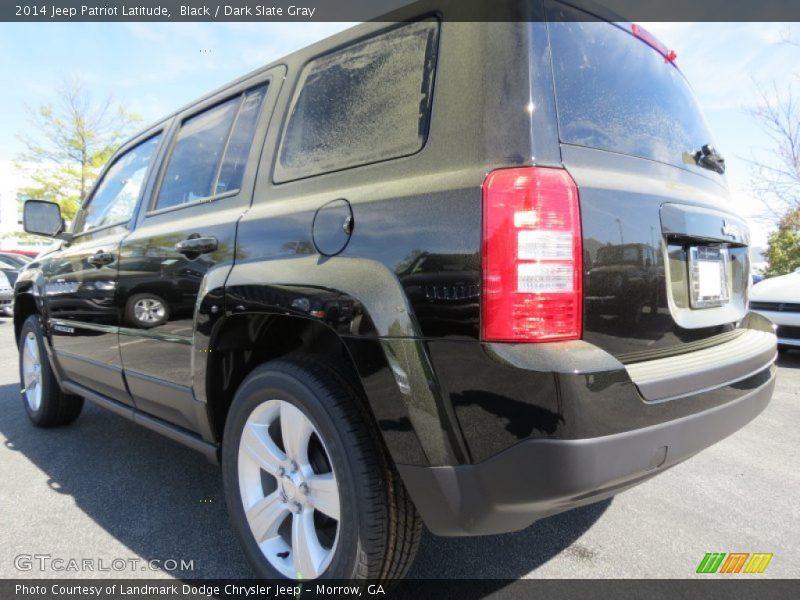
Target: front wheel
(46,404)
(309,487)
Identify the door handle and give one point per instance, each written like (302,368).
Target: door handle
(197,245)
(101,259)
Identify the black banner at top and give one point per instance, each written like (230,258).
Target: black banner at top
(386,10)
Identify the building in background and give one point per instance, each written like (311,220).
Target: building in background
(12,237)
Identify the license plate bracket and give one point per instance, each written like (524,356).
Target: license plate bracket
(708,276)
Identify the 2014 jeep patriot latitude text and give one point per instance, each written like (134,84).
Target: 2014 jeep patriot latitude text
(465,274)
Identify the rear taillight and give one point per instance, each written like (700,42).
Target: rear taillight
(532,271)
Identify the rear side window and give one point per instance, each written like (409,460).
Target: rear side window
(365,103)
(614,92)
(232,168)
(211,151)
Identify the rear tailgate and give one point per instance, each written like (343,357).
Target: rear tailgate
(665,262)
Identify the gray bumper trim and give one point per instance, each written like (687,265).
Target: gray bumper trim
(710,368)
(538,478)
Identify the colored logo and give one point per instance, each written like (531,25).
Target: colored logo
(734,562)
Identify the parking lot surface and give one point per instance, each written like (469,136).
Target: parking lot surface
(105,489)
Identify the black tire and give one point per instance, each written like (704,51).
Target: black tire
(130,311)
(56,407)
(379,529)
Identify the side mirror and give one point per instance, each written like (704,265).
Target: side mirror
(41,217)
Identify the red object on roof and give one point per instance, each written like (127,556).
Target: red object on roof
(652,41)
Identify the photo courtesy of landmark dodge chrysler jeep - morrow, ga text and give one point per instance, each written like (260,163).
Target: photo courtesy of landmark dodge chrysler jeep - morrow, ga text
(465,274)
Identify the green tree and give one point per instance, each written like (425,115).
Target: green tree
(68,143)
(784,245)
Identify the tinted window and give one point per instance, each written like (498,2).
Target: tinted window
(198,150)
(116,196)
(232,171)
(614,92)
(211,151)
(366,103)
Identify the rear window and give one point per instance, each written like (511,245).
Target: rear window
(614,92)
(365,103)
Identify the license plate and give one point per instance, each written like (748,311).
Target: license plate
(708,276)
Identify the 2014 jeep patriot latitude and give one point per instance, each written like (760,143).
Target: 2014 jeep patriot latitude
(465,274)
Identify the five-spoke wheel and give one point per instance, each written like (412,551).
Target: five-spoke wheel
(31,371)
(310,488)
(45,402)
(289,490)
(149,310)
(146,310)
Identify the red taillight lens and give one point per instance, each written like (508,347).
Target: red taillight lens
(532,268)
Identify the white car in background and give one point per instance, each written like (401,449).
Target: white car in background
(778,299)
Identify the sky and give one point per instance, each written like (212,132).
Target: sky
(155,68)
(728,66)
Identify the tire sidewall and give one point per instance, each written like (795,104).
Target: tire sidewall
(272,384)
(32,324)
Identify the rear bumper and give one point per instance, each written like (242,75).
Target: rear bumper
(540,477)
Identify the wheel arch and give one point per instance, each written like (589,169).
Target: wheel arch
(415,428)
(352,308)
(24,307)
(29,291)
(241,342)
(27,303)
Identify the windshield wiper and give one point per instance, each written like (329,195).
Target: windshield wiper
(708,158)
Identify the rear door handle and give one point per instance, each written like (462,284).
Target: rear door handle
(101,259)
(197,245)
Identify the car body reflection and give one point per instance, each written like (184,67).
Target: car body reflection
(159,289)
(623,280)
(444,290)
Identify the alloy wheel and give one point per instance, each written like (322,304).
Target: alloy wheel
(289,490)
(149,310)
(32,372)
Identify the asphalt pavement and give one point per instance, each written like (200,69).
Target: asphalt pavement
(106,490)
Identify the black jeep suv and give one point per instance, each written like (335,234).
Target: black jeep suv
(388,280)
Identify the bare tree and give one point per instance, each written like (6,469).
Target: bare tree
(777,182)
